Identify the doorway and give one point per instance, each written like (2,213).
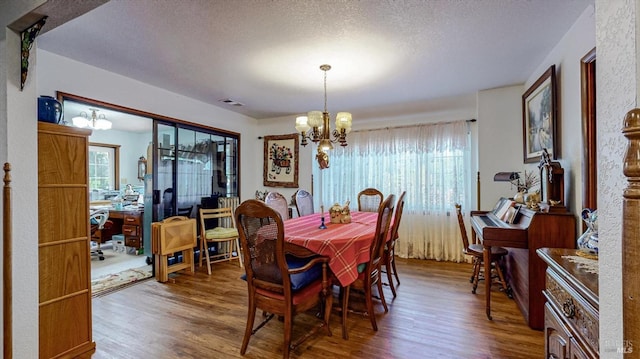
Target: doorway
(115,186)
(163,167)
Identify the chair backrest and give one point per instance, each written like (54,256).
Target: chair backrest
(278,202)
(262,242)
(99,217)
(221,214)
(229,202)
(304,203)
(383,224)
(463,229)
(369,200)
(185,211)
(397,216)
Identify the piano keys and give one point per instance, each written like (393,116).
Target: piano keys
(525,271)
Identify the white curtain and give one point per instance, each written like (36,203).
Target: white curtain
(431,162)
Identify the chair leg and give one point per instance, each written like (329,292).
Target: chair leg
(206,253)
(395,271)
(384,302)
(251,315)
(476,275)
(240,259)
(388,267)
(369,300)
(475,264)
(287,335)
(502,282)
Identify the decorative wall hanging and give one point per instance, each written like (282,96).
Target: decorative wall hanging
(28,36)
(281,161)
(539,117)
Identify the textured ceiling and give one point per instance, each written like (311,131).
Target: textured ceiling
(388,57)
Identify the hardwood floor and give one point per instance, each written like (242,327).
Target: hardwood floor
(435,315)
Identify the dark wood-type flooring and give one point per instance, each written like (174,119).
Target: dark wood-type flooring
(435,315)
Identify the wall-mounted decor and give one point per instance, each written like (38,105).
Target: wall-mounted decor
(142,167)
(281,161)
(539,117)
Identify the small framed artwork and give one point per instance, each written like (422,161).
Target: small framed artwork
(539,118)
(281,161)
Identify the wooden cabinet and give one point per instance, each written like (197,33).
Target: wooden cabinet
(64,243)
(572,309)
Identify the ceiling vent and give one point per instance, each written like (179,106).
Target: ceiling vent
(231,102)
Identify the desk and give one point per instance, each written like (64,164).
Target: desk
(346,245)
(129,223)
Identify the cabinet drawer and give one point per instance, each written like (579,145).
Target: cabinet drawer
(579,315)
(132,219)
(556,335)
(132,242)
(129,230)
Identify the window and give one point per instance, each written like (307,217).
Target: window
(103,167)
(431,162)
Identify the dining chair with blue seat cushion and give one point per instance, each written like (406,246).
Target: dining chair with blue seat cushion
(369,272)
(279,283)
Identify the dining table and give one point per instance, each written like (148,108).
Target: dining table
(346,245)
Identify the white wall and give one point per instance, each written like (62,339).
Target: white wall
(499,141)
(616,76)
(18,146)
(57,73)
(566,55)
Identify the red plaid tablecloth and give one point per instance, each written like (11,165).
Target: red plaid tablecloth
(346,245)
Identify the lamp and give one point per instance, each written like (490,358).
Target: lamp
(318,123)
(96,122)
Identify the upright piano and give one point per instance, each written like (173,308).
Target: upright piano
(528,231)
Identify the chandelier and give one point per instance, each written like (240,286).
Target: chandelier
(318,123)
(96,122)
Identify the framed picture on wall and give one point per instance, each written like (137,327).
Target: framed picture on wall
(539,118)
(281,161)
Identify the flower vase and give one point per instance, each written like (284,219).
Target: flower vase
(588,241)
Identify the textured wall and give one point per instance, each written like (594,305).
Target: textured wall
(616,94)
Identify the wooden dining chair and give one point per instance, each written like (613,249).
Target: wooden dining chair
(279,282)
(278,202)
(225,235)
(304,203)
(185,211)
(476,251)
(389,260)
(369,272)
(369,200)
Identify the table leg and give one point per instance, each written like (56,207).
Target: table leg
(487,279)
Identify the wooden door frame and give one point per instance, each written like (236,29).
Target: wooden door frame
(589,148)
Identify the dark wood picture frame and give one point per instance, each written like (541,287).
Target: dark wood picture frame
(281,161)
(539,118)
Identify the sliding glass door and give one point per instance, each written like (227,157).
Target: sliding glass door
(194,166)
